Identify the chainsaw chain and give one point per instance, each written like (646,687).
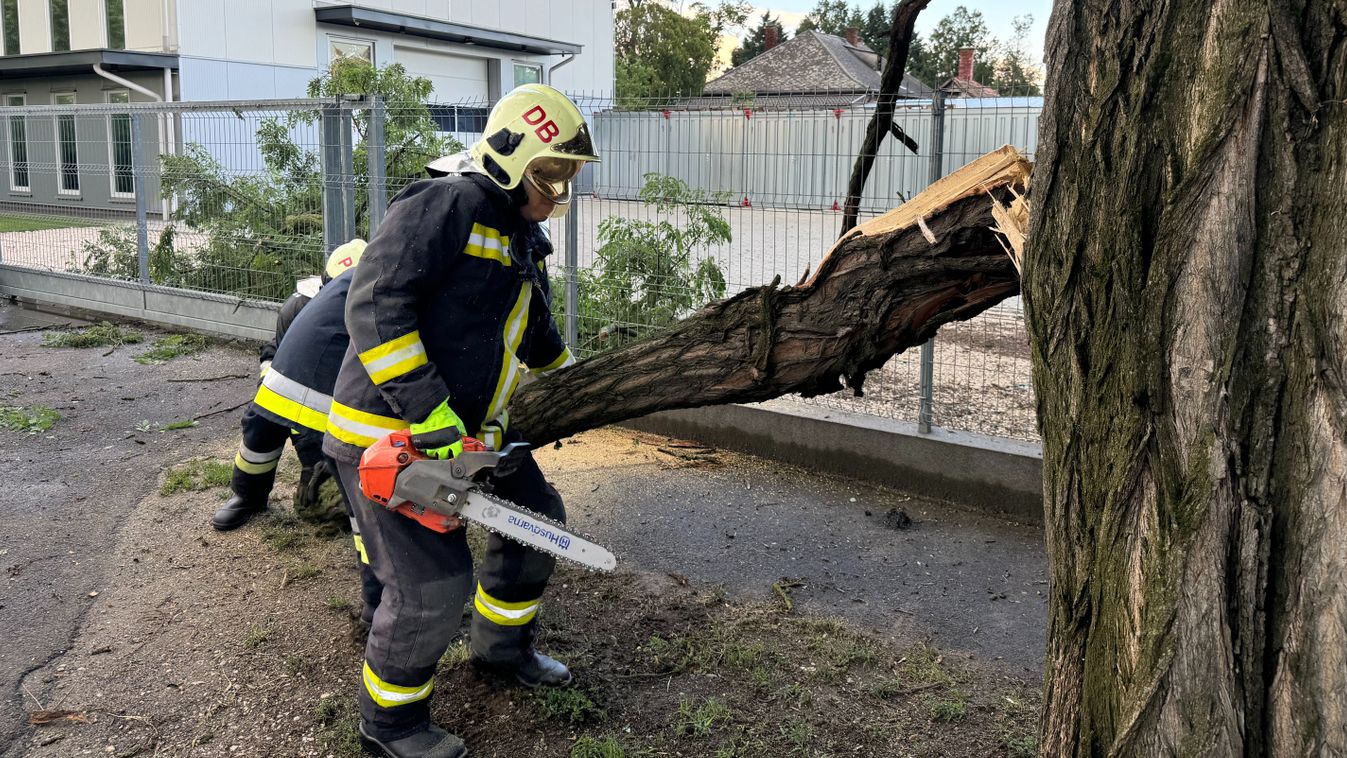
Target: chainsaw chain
(510,506)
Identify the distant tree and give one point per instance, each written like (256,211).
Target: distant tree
(1013,73)
(960,29)
(831,17)
(755,43)
(875,26)
(663,53)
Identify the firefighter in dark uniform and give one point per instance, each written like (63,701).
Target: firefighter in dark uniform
(264,435)
(450,302)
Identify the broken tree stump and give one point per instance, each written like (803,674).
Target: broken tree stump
(885,286)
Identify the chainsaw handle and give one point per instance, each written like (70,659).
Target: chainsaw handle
(436,439)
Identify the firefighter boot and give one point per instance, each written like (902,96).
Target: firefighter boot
(533,669)
(428,742)
(236,511)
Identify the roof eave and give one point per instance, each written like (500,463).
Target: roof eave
(444,31)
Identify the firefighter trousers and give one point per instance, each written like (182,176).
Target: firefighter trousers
(427,579)
(260,452)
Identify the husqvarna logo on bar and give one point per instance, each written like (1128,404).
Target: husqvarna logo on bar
(559,540)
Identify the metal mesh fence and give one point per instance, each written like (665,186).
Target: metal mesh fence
(694,200)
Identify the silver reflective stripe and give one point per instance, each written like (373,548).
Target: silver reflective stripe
(252,456)
(356,427)
(413,350)
(507,613)
(292,390)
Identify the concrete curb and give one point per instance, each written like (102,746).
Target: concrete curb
(1003,476)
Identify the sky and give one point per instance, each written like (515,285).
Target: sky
(997,12)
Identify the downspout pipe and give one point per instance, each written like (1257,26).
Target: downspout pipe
(127,83)
(552,70)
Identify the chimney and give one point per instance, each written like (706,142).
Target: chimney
(966,64)
(854,36)
(771,37)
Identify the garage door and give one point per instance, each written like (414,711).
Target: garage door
(456,77)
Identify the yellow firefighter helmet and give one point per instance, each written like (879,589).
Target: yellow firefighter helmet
(343,258)
(535,133)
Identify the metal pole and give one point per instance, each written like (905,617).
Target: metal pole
(137,176)
(925,405)
(572,274)
(377,188)
(347,138)
(330,149)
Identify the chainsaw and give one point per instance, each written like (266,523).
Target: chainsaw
(440,494)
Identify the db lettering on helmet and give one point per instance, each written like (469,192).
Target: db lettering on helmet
(546,128)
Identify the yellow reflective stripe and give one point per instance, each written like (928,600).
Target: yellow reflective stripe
(503,613)
(392,695)
(513,334)
(290,410)
(562,361)
(488,243)
(358,427)
(394,358)
(360,548)
(249,467)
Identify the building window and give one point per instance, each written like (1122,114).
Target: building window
(527,73)
(119,148)
(18,146)
(60,25)
(9,14)
(350,49)
(67,148)
(116,17)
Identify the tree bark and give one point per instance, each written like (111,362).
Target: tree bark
(884,287)
(1186,297)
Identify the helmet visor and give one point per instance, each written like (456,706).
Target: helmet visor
(552,177)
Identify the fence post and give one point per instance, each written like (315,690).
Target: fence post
(377,189)
(138,177)
(338,174)
(925,404)
(572,275)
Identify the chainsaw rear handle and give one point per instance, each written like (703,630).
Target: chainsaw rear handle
(436,439)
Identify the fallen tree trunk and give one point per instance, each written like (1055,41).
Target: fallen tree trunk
(884,287)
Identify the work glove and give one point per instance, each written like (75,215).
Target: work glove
(492,433)
(440,435)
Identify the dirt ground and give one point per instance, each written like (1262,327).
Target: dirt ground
(758,610)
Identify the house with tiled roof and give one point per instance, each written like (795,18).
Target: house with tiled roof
(963,84)
(813,70)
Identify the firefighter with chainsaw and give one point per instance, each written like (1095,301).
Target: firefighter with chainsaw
(450,301)
(264,432)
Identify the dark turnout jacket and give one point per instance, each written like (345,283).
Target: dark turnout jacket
(450,299)
(297,390)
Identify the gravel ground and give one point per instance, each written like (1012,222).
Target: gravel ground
(206,644)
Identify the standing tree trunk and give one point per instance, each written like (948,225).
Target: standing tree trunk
(1186,295)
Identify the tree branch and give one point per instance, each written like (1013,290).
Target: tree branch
(890,84)
(884,287)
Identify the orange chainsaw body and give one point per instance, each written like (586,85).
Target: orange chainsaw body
(379,468)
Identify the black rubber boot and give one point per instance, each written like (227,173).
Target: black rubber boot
(533,670)
(235,513)
(430,742)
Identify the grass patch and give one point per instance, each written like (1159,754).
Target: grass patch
(10,223)
(102,334)
(32,419)
(256,637)
(194,476)
(282,536)
(455,655)
(700,719)
(1020,745)
(173,426)
(589,747)
(797,734)
(173,346)
(922,665)
(571,705)
(335,603)
(304,571)
(338,727)
(951,708)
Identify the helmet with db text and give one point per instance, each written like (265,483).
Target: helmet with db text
(535,134)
